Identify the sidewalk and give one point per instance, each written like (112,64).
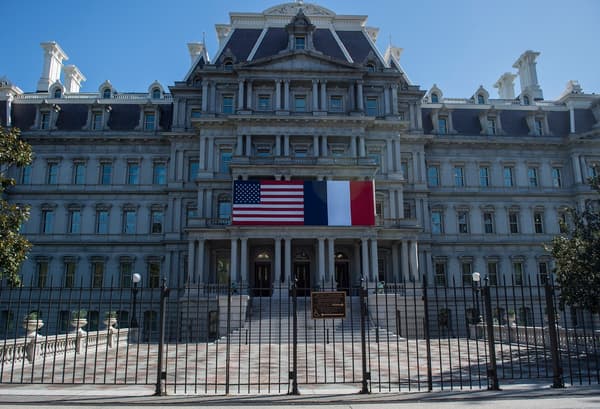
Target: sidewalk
(132,397)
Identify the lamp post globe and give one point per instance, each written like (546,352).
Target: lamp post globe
(135,278)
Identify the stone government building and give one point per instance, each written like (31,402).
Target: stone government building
(142,182)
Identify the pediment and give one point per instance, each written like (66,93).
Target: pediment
(300,61)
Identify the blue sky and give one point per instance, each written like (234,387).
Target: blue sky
(458,44)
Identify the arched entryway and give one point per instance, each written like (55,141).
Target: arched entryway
(342,271)
(302,272)
(263,277)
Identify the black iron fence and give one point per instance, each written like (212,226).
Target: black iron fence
(214,339)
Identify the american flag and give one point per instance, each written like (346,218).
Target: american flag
(268,202)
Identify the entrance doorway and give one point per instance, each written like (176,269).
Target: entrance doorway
(302,274)
(262,280)
(342,272)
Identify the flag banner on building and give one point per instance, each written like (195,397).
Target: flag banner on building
(303,203)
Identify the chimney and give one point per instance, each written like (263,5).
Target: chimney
(73,79)
(53,58)
(506,86)
(528,75)
(197,49)
(223,31)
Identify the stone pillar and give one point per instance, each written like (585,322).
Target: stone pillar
(359,97)
(277,95)
(249,94)
(572,119)
(365,259)
(204,96)
(353,149)
(414,260)
(321,257)
(277,145)
(211,154)
(287,260)
(316,146)
(374,261)
(286,145)
(277,261)
(394,99)
(202,154)
(404,255)
(362,151)
(576,168)
(244,260)
(418,113)
(411,115)
(248,150)
(386,100)
(393,214)
(324,145)
(352,94)
(239,145)
(200,201)
(323,95)
(234,261)
(212,92)
(286,95)
(190,260)
(356,262)
(240,100)
(397,154)
(315,95)
(395,265)
(200,276)
(390,156)
(330,260)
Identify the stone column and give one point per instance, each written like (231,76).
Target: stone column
(200,276)
(277,95)
(414,260)
(323,95)
(393,214)
(211,154)
(324,145)
(353,149)
(315,95)
(277,145)
(316,146)
(287,260)
(398,155)
(202,154)
(390,156)
(204,96)
(321,257)
(212,92)
(330,260)
(200,202)
(352,94)
(386,100)
(190,260)
(418,113)
(244,260)
(365,259)
(249,94)
(411,115)
(359,97)
(394,99)
(286,145)
(576,168)
(404,255)
(239,145)
(362,151)
(248,150)
(240,100)
(572,119)
(277,261)
(234,261)
(286,95)
(395,265)
(374,261)
(356,262)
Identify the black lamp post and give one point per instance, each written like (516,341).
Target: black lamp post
(476,280)
(136,278)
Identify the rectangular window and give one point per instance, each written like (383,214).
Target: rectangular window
(436,222)
(196,113)
(463,221)
(372,106)
(539,127)
(102,221)
(105,173)
(52,176)
(227,104)
(47,221)
(97,122)
(563,225)
(557,177)
(404,168)
(336,103)
(42,273)
(467,273)
(157,221)
(154,274)
(484,176)
(508,176)
(97,274)
(300,151)
(74,221)
(159,175)
(79,173)
(409,209)
(26,175)
(488,222)
(45,120)
(129,221)
(459,178)
(492,272)
(70,274)
(300,103)
(149,121)
(532,175)
(440,274)
(592,171)
(191,213)
(264,102)
(513,221)
(543,272)
(538,221)
(433,176)
(299,42)
(125,272)
(193,166)
(491,126)
(224,210)
(225,162)
(133,173)
(442,126)
(518,273)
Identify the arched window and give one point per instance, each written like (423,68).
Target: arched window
(370,67)
(434,98)
(106,93)
(156,93)
(57,93)
(480,99)
(525,100)
(228,66)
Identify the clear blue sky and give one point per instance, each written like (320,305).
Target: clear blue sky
(458,44)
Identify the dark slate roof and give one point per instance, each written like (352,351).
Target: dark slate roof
(23,115)
(325,43)
(72,117)
(514,123)
(466,121)
(166,116)
(124,117)
(357,44)
(241,42)
(275,40)
(559,123)
(3,113)
(584,120)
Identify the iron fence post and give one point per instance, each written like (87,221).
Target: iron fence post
(557,377)
(160,376)
(426,332)
(363,337)
(493,370)
(228,344)
(294,373)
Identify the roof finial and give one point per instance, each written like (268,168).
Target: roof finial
(203,37)
(300,2)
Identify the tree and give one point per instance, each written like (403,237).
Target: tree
(13,246)
(577,255)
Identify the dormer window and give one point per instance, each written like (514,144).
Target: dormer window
(57,93)
(106,93)
(149,121)
(228,66)
(299,42)
(45,120)
(156,93)
(491,126)
(434,98)
(539,127)
(370,67)
(480,99)
(526,100)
